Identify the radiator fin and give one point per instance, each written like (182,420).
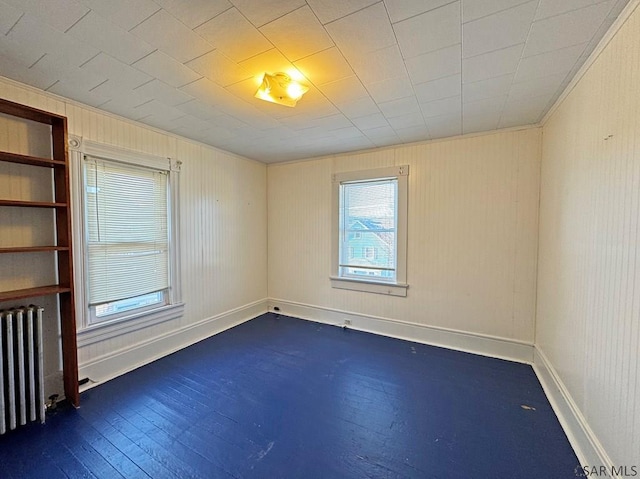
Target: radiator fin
(21,368)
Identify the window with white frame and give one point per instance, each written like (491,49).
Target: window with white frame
(128,236)
(370,230)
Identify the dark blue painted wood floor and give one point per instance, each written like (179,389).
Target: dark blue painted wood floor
(281,397)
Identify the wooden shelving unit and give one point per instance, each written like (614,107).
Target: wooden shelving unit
(61,205)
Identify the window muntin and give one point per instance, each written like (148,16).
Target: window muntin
(127,223)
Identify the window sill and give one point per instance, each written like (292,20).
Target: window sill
(369,286)
(128,324)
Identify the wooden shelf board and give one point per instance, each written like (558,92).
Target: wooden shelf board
(32,292)
(32,204)
(32,249)
(10,108)
(30,160)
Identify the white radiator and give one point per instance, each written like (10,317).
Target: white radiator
(21,372)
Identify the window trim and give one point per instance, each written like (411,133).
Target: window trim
(400,286)
(174,307)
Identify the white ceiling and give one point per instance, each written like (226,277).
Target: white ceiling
(380,72)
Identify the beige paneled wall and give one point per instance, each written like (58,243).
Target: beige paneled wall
(588,322)
(473,209)
(222,215)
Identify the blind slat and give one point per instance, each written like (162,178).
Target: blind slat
(127,223)
(368,223)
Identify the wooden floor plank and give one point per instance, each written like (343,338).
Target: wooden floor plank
(281,397)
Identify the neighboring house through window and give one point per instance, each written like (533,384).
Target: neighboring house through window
(369,230)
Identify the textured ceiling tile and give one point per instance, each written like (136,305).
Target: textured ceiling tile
(157,90)
(104,35)
(490,88)
(566,30)
(78,85)
(390,89)
(29,39)
(162,66)
(362,32)
(298,34)
(234,35)
(491,65)
(551,8)
(550,63)
(526,112)
(346,80)
(8,17)
(486,106)
(324,67)
(445,106)
(207,91)
(474,9)
(194,13)
(370,121)
(124,104)
(413,134)
(435,65)
(402,9)
(400,107)
(199,110)
(60,14)
(380,65)
(500,30)
(246,90)
(271,61)
(478,123)
(379,133)
(19,72)
(361,107)
(330,10)
(344,90)
(172,37)
(537,87)
(442,88)
(346,132)
(260,12)
(109,67)
(227,121)
(57,67)
(444,126)
(13,48)
(188,123)
(218,68)
(407,120)
(124,13)
(156,108)
(430,31)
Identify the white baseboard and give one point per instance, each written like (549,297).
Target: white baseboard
(119,362)
(586,445)
(484,345)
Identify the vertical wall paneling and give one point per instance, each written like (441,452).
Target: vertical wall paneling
(222,223)
(589,271)
(472,236)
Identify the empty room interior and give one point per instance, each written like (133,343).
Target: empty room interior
(320,238)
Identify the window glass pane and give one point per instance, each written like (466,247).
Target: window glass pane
(129,304)
(127,230)
(368,222)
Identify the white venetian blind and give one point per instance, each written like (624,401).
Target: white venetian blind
(127,230)
(368,223)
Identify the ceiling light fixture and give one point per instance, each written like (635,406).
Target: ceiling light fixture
(281,89)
